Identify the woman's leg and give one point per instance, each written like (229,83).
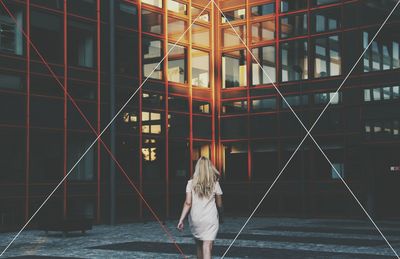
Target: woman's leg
(207,248)
(199,245)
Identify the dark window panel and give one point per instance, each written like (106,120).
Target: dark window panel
(293,5)
(127,15)
(81,44)
(294,60)
(178,103)
(293,25)
(326,20)
(327,57)
(229,107)
(178,125)
(202,127)
(235,157)
(234,127)
(265,9)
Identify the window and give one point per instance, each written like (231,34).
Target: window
(324,98)
(327,20)
(151,122)
(327,60)
(322,2)
(293,25)
(84,171)
(266,58)
(127,15)
(234,107)
(201,107)
(234,127)
(267,104)
(200,35)
(10,36)
(11,82)
(46,28)
(177,7)
(204,17)
(176,28)
(157,3)
(294,60)
(153,100)
(265,9)
(295,101)
(234,69)
(81,44)
(262,31)
(230,37)
(152,55)
(337,171)
(233,15)
(84,7)
(381,93)
(178,103)
(152,22)
(202,126)
(200,68)
(384,52)
(177,64)
(293,5)
(234,159)
(126,53)
(178,125)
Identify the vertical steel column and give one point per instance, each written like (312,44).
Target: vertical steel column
(140,68)
(65,107)
(98,24)
(28,92)
(112,108)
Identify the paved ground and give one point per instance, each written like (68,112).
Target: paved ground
(263,238)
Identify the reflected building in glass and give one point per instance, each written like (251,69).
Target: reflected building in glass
(208,97)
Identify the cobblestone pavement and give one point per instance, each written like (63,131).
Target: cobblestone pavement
(263,238)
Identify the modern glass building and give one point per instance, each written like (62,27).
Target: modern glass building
(208,97)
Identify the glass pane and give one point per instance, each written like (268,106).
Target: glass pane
(200,35)
(294,25)
(234,107)
(327,20)
(201,107)
(294,60)
(152,22)
(322,2)
(266,57)
(327,57)
(262,31)
(234,69)
(152,55)
(127,15)
(177,7)
(293,5)
(176,28)
(205,17)
(200,68)
(177,64)
(233,15)
(264,9)
(230,37)
(267,104)
(157,3)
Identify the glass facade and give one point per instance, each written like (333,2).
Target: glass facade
(208,97)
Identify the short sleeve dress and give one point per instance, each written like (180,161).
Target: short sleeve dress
(203,217)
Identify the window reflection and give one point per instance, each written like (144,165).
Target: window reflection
(205,16)
(200,68)
(176,28)
(157,3)
(200,35)
(293,25)
(234,107)
(326,20)
(295,100)
(266,58)
(201,107)
(262,31)
(324,98)
(322,2)
(177,64)
(327,57)
(267,104)
(234,69)
(233,15)
(265,9)
(294,60)
(293,5)
(151,122)
(10,37)
(230,37)
(152,22)
(152,55)
(177,7)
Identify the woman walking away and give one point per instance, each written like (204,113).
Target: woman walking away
(204,201)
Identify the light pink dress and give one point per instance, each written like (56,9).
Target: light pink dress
(203,218)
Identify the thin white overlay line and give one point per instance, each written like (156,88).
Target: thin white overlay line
(102,132)
(308,132)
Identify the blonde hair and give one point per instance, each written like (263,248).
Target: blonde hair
(204,178)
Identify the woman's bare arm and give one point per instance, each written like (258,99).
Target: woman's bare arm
(185,210)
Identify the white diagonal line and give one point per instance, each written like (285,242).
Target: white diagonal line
(308,133)
(102,132)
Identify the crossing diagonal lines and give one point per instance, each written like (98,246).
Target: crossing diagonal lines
(98,138)
(308,131)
